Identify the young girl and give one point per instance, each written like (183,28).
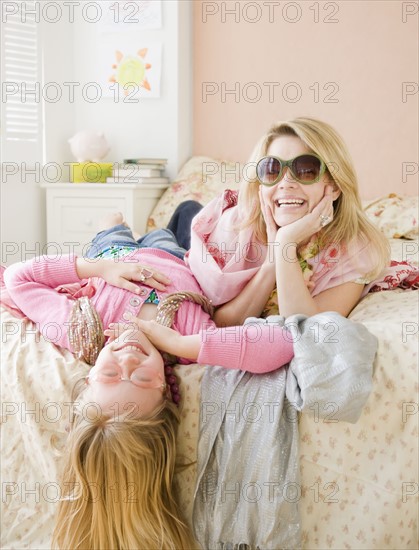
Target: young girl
(295,234)
(120,458)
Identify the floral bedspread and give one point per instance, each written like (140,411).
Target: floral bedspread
(359,482)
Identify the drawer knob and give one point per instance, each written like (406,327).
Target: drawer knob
(88,222)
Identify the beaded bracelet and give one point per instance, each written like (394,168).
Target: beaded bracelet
(168,307)
(85,331)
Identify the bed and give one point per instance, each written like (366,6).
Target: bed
(359,481)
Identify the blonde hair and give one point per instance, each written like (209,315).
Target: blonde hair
(349,221)
(118,482)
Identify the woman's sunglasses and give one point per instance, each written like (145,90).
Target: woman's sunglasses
(305,169)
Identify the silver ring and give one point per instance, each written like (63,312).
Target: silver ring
(324,220)
(145,274)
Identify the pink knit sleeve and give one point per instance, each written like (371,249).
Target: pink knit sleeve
(32,284)
(256,348)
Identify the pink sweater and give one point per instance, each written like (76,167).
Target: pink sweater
(34,287)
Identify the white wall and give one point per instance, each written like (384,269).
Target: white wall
(23,212)
(153,127)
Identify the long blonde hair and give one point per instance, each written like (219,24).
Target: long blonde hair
(118,482)
(349,221)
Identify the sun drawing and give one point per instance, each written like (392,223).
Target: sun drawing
(131,69)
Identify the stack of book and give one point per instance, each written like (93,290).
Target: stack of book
(142,170)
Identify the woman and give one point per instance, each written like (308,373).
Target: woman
(296,228)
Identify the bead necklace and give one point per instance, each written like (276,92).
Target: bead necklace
(172,382)
(166,311)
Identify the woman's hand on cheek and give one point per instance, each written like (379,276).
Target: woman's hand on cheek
(271,227)
(310,224)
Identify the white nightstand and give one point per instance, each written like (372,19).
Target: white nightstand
(74,209)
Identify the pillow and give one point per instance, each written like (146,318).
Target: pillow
(396,216)
(200,179)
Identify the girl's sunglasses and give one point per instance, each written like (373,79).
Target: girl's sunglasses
(305,169)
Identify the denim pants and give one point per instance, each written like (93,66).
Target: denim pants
(121,237)
(176,239)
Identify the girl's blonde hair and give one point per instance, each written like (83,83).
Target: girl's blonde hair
(118,482)
(349,221)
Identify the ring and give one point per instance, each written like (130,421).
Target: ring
(324,220)
(145,274)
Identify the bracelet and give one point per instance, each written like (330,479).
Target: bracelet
(85,331)
(168,307)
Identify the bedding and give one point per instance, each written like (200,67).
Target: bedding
(359,482)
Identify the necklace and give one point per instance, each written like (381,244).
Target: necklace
(166,311)
(172,382)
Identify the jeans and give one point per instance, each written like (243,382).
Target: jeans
(176,239)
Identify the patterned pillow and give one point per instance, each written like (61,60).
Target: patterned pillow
(200,179)
(396,216)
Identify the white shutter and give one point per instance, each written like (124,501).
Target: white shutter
(21,102)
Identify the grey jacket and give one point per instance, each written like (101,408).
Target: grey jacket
(248,484)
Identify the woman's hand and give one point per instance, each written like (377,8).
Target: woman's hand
(115,330)
(271,227)
(163,338)
(301,230)
(122,274)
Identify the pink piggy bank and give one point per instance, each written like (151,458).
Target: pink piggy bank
(89,146)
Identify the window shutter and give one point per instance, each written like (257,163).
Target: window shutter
(21,104)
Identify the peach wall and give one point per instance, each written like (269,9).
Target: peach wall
(361,62)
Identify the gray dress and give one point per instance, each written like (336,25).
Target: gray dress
(248,484)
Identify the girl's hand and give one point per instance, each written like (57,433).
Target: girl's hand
(122,274)
(304,228)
